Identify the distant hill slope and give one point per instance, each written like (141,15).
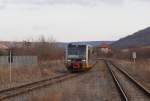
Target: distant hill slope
(138,39)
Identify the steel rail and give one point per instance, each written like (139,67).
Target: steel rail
(138,84)
(122,93)
(15,91)
(32,83)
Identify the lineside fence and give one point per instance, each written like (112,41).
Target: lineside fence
(19,60)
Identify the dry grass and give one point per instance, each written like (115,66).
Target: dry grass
(139,70)
(25,74)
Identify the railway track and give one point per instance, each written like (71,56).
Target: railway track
(129,89)
(15,91)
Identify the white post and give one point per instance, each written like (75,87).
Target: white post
(10,66)
(134,56)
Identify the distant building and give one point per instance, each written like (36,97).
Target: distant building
(105,48)
(3,47)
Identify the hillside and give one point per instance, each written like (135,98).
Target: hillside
(138,39)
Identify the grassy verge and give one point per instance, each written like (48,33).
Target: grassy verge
(25,74)
(139,70)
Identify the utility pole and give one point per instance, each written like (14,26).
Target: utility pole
(10,59)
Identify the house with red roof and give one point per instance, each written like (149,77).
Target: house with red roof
(105,48)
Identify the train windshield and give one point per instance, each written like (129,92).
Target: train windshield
(77,52)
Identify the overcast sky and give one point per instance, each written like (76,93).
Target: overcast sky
(72,20)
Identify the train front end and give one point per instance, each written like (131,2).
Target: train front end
(76,58)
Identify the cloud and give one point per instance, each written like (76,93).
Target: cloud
(82,2)
(2,7)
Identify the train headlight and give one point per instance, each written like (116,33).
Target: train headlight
(68,60)
(68,63)
(83,63)
(83,60)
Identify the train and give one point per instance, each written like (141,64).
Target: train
(78,57)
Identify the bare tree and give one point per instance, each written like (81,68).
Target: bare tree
(45,49)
